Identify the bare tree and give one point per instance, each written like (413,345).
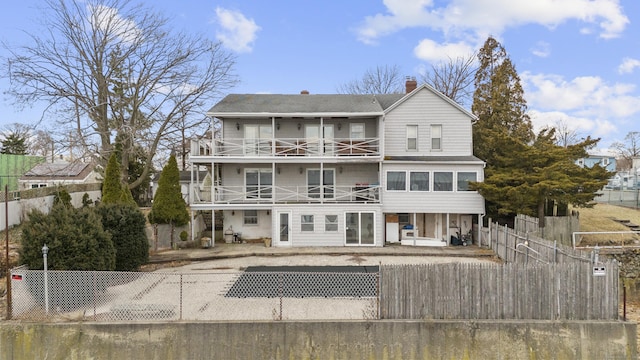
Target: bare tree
(118,76)
(381,80)
(628,150)
(565,135)
(454,78)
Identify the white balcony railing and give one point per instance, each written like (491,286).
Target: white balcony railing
(287,194)
(285,147)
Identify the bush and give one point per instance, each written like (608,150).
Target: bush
(127,227)
(75,238)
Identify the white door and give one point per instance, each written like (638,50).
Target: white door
(284,228)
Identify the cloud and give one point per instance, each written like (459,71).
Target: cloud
(584,95)
(542,49)
(431,51)
(588,104)
(237,32)
(109,20)
(628,65)
(479,18)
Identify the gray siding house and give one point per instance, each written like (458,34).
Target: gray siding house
(341,170)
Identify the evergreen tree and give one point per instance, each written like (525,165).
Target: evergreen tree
(75,237)
(168,205)
(524,172)
(527,177)
(126,224)
(498,101)
(14,144)
(113,189)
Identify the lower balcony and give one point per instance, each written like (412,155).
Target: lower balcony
(359,193)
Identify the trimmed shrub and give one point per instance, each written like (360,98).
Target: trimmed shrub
(127,227)
(75,238)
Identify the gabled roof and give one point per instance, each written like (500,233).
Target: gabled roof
(436,92)
(51,171)
(303,105)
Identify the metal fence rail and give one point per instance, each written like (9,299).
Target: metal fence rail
(138,296)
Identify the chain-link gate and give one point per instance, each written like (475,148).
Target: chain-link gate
(138,296)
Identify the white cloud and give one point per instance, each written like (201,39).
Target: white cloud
(479,18)
(628,65)
(109,20)
(588,104)
(542,49)
(431,51)
(586,95)
(237,32)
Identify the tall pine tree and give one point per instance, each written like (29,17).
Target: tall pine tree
(168,205)
(524,172)
(499,102)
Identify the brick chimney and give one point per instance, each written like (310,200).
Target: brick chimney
(304,92)
(411,84)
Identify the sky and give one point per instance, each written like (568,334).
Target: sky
(578,60)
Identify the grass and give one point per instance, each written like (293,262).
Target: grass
(606,217)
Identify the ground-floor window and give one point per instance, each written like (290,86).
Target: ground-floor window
(306,222)
(360,228)
(250,217)
(331,223)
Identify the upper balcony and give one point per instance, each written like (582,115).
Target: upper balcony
(284,147)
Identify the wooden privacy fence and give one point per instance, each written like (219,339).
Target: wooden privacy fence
(565,291)
(514,247)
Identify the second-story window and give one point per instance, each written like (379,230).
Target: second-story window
(443,181)
(464,178)
(419,181)
(396,180)
(258,183)
(412,137)
(436,137)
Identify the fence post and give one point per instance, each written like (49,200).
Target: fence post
(280,292)
(180,296)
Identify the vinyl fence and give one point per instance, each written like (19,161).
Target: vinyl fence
(565,291)
(141,296)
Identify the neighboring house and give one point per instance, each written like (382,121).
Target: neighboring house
(342,170)
(606,161)
(58,173)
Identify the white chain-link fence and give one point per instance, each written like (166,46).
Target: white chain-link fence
(140,296)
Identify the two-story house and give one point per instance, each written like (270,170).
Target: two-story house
(341,170)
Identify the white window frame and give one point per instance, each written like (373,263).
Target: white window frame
(435,187)
(246,217)
(412,134)
(436,137)
(411,188)
(262,192)
(329,225)
(386,180)
(353,135)
(307,223)
(458,180)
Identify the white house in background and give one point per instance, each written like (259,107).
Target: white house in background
(341,170)
(58,173)
(203,182)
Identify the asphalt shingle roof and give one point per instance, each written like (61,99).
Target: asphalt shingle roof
(319,104)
